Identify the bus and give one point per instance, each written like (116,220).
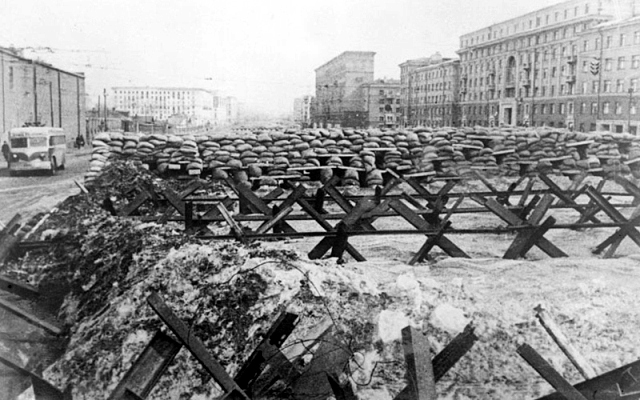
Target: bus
(37,148)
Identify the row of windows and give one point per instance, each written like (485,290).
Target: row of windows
(145,94)
(608,63)
(524,25)
(608,87)
(432,87)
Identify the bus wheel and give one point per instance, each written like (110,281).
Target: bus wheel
(54,167)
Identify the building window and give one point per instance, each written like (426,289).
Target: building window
(553,90)
(621,62)
(585,66)
(597,44)
(594,108)
(561,108)
(570,107)
(618,108)
(622,39)
(562,89)
(619,85)
(607,87)
(595,87)
(608,64)
(552,108)
(583,108)
(585,86)
(635,62)
(608,42)
(634,109)
(606,107)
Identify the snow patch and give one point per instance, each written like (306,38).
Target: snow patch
(390,324)
(449,319)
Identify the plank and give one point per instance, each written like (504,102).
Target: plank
(262,355)
(42,389)
(617,236)
(148,367)
(340,392)
(235,228)
(448,357)
(174,199)
(134,204)
(279,216)
(614,384)
(565,197)
(420,377)
(548,373)
(193,344)
(18,288)
(549,325)
(30,318)
(259,206)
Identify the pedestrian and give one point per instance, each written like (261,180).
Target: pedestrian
(6,152)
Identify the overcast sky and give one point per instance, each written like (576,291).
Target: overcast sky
(264,52)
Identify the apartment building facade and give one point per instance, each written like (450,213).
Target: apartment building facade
(37,92)
(161,103)
(429,88)
(338,87)
(380,101)
(608,76)
(527,70)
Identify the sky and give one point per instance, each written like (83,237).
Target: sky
(263,52)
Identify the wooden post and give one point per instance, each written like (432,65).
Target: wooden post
(548,373)
(420,376)
(565,345)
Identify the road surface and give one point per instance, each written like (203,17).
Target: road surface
(38,192)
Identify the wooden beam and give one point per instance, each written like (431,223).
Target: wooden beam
(30,318)
(525,241)
(148,367)
(134,204)
(42,389)
(614,214)
(18,288)
(548,373)
(549,325)
(421,381)
(266,350)
(193,344)
(235,228)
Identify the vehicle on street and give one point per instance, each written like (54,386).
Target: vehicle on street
(37,148)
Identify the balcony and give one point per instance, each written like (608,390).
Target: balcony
(571,79)
(510,83)
(572,59)
(491,86)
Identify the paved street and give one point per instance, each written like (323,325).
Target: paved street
(39,192)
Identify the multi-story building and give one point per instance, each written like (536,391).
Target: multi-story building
(380,101)
(302,110)
(337,88)
(36,92)
(199,105)
(407,93)
(524,70)
(431,94)
(225,110)
(608,73)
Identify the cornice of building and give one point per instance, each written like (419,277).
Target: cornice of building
(42,64)
(536,31)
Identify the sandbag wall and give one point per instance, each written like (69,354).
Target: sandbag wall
(359,153)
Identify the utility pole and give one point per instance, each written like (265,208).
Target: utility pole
(533,86)
(600,73)
(35,94)
(105,108)
(629,111)
(51,103)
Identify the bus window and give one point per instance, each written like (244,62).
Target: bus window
(57,140)
(18,143)
(38,141)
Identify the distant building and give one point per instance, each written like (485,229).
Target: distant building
(337,89)
(380,101)
(36,92)
(608,100)
(195,105)
(532,69)
(302,110)
(429,91)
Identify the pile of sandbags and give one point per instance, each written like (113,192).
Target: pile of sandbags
(116,143)
(130,148)
(99,156)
